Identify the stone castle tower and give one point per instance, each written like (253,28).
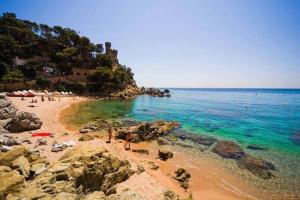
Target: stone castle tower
(112,53)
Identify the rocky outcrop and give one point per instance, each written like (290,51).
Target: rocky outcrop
(165,154)
(11,182)
(22,165)
(130,91)
(228,149)
(24,121)
(183,177)
(196,138)
(16,121)
(81,173)
(155,92)
(257,166)
(146,131)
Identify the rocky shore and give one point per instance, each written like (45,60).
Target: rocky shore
(86,170)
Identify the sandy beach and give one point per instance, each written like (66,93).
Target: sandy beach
(210,180)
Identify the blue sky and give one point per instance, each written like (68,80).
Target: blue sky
(186,43)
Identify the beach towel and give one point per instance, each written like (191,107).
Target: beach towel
(43,134)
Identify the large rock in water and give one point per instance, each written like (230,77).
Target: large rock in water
(24,121)
(257,166)
(228,149)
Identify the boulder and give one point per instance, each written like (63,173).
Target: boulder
(147,131)
(24,121)
(257,166)
(228,149)
(165,154)
(10,182)
(23,165)
(86,137)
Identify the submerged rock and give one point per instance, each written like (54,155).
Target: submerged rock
(228,149)
(257,166)
(256,147)
(295,138)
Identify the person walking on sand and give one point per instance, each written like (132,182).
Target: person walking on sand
(109,132)
(128,140)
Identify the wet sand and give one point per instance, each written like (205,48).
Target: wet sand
(210,179)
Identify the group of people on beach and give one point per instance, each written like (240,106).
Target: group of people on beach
(128,138)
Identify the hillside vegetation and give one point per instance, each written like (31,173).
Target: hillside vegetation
(64,48)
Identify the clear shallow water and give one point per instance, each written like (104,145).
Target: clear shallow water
(266,117)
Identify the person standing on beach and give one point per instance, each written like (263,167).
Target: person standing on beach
(128,140)
(109,132)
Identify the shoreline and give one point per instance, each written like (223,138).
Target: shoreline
(207,191)
(210,179)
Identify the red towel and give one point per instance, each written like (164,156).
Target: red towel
(40,134)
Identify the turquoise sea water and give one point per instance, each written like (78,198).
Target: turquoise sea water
(267,117)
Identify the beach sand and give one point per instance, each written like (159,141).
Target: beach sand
(209,179)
